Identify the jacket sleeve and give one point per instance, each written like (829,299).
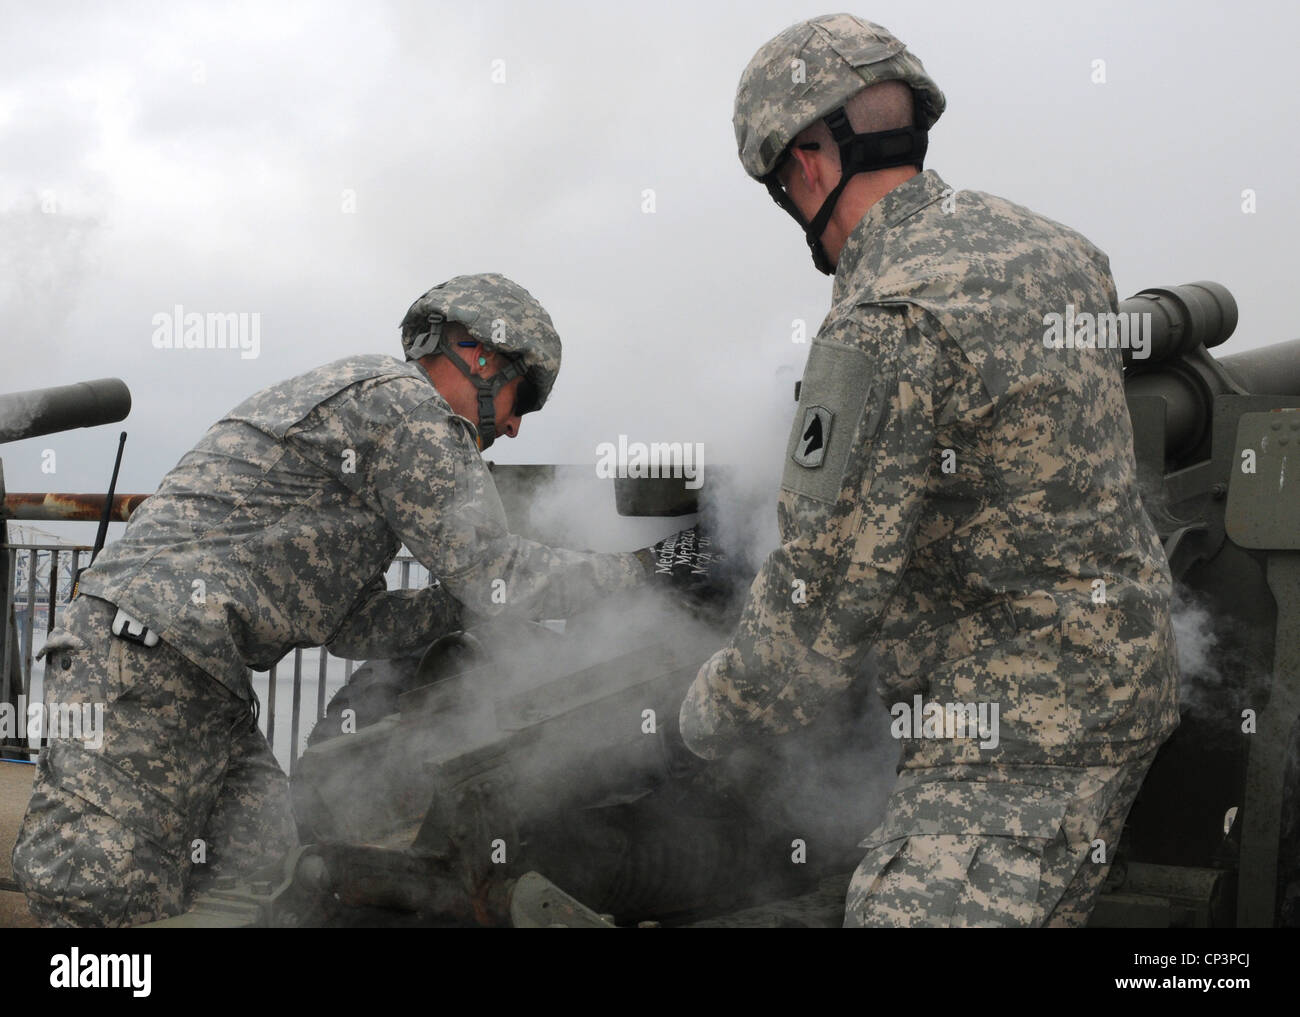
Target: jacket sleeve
(856,472)
(395,623)
(438,497)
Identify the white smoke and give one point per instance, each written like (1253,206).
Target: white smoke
(1194,633)
(43,259)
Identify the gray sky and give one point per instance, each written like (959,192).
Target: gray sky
(203,155)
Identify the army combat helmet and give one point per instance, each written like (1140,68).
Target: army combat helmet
(501,315)
(806,74)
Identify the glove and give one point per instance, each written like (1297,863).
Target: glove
(688,566)
(687,562)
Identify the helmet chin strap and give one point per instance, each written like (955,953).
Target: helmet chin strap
(859,153)
(487,388)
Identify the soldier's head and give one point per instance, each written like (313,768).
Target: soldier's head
(831,115)
(488,347)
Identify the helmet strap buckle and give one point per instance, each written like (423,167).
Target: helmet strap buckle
(428,342)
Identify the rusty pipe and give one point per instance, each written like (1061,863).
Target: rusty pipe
(67,507)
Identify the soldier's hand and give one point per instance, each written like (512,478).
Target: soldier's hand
(688,564)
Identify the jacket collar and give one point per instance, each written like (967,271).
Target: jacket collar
(903,202)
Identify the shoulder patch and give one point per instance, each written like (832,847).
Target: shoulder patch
(810,449)
(840,386)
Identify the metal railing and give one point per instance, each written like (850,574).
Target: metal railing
(516,484)
(30,590)
(36,588)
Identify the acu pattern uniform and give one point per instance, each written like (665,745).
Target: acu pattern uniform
(275,531)
(956,492)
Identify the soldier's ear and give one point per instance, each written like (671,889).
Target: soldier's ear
(478,356)
(807,167)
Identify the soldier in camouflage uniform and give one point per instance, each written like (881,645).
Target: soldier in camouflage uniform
(276,531)
(959,511)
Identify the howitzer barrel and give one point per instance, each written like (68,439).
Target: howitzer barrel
(1188,388)
(1183,317)
(1273,370)
(63,408)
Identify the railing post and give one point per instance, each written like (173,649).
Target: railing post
(10,640)
(320,685)
(297,710)
(29,623)
(51,611)
(53,607)
(270,707)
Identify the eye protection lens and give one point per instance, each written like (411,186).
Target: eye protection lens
(525,397)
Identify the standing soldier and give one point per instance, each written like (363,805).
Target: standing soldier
(959,501)
(276,531)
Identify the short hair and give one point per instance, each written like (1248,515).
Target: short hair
(884,106)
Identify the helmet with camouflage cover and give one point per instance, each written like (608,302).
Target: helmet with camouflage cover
(503,316)
(807,73)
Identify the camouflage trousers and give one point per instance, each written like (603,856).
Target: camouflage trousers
(1020,847)
(182,789)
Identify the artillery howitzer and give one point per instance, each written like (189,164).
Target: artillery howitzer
(1213,838)
(436,790)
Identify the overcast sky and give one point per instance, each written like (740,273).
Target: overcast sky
(322,165)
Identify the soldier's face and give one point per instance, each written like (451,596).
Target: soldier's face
(462,395)
(507,420)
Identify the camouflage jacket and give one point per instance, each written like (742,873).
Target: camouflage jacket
(959,508)
(277,529)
